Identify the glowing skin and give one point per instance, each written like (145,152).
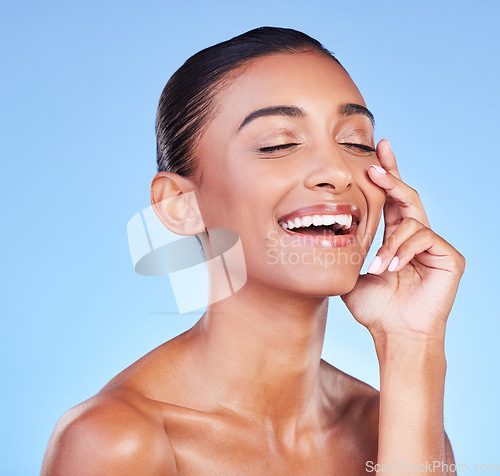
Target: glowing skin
(245,390)
(247,190)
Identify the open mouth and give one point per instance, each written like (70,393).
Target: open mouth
(321,225)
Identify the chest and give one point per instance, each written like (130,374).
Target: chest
(225,450)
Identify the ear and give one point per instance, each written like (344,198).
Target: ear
(174,201)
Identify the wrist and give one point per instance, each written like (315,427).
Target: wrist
(408,340)
(417,354)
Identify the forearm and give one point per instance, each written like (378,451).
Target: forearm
(411,430)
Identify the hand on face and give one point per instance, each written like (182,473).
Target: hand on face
(411,284)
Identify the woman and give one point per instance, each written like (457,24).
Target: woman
(267,135)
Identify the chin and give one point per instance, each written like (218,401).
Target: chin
(334,282)
(310,280)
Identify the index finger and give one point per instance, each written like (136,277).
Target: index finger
(386,158)
(402,200)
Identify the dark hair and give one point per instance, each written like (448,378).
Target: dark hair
(187,101)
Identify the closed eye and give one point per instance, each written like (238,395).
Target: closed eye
(363,147)
(274,148)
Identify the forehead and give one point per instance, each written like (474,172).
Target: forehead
(310,80)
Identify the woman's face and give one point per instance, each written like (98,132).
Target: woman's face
(289,144)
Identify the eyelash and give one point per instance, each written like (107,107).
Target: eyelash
(274,148)
(363,147)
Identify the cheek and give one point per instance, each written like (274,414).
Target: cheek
(236,201)
(374,196)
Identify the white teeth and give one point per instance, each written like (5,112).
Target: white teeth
(344,220)
(328,220)
(318,220)
(307,221)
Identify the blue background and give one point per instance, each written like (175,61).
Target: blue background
(79,85)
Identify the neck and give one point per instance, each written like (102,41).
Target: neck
(261,354)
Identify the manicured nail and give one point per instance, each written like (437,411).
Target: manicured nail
(379,169)
(393,264)
(375,264)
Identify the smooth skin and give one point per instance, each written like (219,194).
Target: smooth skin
(245,391)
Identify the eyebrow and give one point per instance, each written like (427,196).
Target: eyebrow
(290,111)
(351,109)
(294,111)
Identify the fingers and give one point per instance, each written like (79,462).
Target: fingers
(403,201)
(386,255)
(414,240)
(386,158)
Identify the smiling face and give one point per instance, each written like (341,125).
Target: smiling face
(284,163)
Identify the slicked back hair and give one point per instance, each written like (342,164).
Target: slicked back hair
(187,101)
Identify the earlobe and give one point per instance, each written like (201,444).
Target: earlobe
(174,202)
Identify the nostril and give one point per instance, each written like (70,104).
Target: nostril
(331,186)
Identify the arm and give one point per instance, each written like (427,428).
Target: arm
(404,301)
(450,459)
(411,408)
(108,438)
(411,428)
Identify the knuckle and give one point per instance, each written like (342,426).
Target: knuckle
(412,223)
(411,196)
(426,233)
(414,194)
(390,243)
(460,261)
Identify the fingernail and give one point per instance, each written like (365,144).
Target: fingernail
(393,264)
(379,169)
(375,264)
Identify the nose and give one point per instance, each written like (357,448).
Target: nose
(328,171)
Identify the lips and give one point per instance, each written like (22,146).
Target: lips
(324,225)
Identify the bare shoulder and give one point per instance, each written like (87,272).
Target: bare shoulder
(354,404)
(115,432)
(348,388)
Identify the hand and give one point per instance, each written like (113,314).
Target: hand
(412,282)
